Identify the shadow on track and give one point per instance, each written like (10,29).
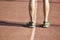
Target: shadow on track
(52,25)
(12,24)
(15,0)
(7,0)
(23,24)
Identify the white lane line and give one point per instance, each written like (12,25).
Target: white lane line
(33,33)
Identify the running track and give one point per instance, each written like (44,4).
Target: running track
(14,15)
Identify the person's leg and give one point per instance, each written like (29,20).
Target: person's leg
(32,12)
(46,13)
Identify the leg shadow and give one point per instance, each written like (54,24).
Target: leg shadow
(12,24)
(15,0)
(55,25)
(51,25)
(39,25)
(7,0)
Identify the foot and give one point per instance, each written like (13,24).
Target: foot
(31,24)
(46,24)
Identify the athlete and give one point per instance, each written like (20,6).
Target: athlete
(33,11)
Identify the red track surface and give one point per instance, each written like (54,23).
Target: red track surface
(14,15)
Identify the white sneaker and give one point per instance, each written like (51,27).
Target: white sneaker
(46,24)
(31,24)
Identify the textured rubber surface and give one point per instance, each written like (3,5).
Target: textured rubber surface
(14,15)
